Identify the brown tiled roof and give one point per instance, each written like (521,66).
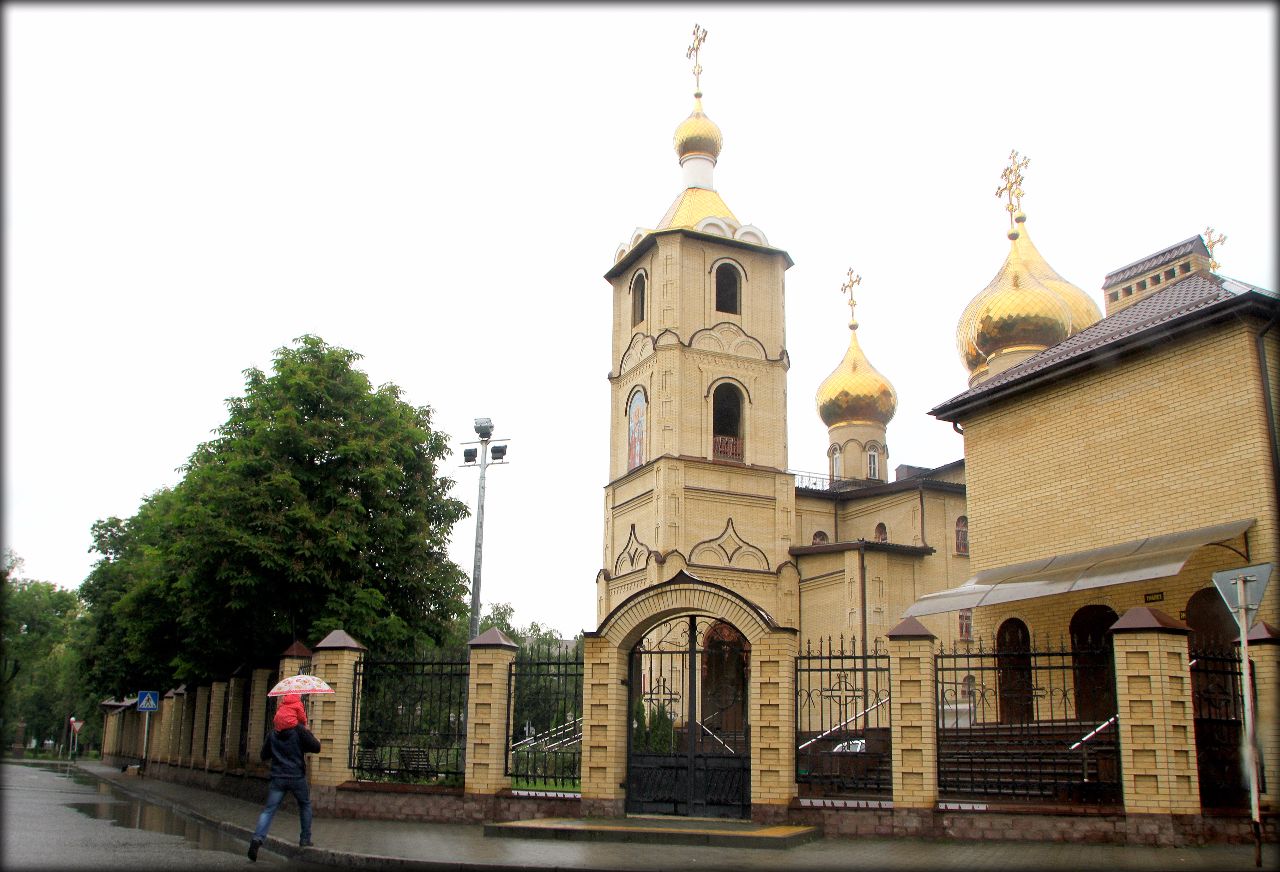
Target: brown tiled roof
(1179,304)
(1187,246)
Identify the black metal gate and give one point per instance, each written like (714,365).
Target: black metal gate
(1219,722)
(689,746)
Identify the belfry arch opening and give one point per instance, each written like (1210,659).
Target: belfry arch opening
(728,289)
(726,423)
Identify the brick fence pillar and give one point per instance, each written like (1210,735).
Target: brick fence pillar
(1157,731)
(160,738)
(606,722)
(175,725)
(260,683)
(772,705)
(914,727)
(488,680)
(186,729)
(200,735)
(334,660)
(1264,652)
(215,749)
(235,717)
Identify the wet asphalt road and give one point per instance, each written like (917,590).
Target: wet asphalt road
(55,819)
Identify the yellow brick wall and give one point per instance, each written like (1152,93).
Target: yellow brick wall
(217,726)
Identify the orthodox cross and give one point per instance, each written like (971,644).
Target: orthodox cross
(699,37)
(660,693)
(1012,187)
(1211,242)
(844,695)
(847,288)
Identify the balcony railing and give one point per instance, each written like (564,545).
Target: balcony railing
(726,448)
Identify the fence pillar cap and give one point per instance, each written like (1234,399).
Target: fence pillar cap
(493,638)
(910,628)
(297,649)
(1263,634)
(1141,619)
(339,639)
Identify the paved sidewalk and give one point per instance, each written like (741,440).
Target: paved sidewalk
(364,844)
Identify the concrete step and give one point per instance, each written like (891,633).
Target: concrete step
(658,830)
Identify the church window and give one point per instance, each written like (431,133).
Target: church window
(962,534)
(873,462)
(1142,285)
(637,299)
(837,462)
(1115,295)
(636,414)
(1092,662)
(966,627)
(1184,268)
(728,289)
(1170,273)
(1155,280)
(1128,290)
(821,538)
(726,423)
(882,532)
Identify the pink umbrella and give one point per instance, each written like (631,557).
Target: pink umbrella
(300,684)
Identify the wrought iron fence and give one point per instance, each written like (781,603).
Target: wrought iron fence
(1025,724)
(843,743)
(1218,710)
(409,724)
(544,714)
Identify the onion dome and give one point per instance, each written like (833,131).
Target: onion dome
(855,392)
(698,134)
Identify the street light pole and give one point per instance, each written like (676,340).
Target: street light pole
(475,572)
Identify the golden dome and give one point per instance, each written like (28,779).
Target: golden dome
(1026,306)
(855,391)
(698,134)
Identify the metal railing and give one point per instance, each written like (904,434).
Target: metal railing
(726,448)
(843,741)
(1218,710)
(1010,725)
(409,724)
(544,709)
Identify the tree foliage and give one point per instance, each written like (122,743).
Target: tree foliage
(318,504)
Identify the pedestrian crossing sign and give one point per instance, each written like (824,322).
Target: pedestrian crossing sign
(148,700)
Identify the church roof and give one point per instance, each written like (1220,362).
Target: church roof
(1182,305)
(1187,246)
(693,205)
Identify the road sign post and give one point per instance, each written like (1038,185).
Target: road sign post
(1242,590)
(148,701)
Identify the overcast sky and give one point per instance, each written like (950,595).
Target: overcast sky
(188,188)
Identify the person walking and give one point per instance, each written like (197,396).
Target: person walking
(285,747)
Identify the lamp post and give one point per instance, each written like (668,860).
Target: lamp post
(484,429)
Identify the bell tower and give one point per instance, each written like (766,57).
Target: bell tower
(698,420)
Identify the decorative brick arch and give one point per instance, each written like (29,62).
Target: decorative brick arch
(683,594)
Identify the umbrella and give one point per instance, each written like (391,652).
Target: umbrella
(300,684)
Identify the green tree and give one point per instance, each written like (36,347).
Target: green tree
(317,505)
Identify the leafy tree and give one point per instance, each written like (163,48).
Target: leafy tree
(317,505)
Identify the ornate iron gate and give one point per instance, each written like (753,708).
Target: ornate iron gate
(689,747)
(1219,723)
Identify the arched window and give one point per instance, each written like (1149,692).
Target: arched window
(821,538)
(962,534)
(1092,664)
(873,462)
(637,299)
(837,462)
(1212,625)
(1014,691)
(726,423)
(882,532)
(728,289)
(965,617)
(636,415)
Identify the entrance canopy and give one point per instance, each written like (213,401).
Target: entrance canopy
(1138,560)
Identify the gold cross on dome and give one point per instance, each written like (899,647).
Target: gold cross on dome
(847,288)
(1211,242)
(1012,187)
(699,37)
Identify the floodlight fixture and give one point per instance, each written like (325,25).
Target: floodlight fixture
(484,428)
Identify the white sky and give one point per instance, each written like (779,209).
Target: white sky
(441,188)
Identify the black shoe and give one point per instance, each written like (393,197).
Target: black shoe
(305,843)
(254,845)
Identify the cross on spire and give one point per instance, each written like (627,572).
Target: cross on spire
(1211,242)
(1012,187)
(699,37)
(847,288)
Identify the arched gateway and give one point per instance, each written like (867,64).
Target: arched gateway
(689,706)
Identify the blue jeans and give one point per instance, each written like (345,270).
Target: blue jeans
(276,790)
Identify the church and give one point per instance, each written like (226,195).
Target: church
(1088,487)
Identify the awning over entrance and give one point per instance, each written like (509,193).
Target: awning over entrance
(1138,560)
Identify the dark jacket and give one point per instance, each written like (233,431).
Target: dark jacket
(284,748)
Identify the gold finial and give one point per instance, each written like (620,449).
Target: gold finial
(1211,242)
(847,288)
(1012,187)
(699,37)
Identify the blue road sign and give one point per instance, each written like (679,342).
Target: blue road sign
(148,700)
